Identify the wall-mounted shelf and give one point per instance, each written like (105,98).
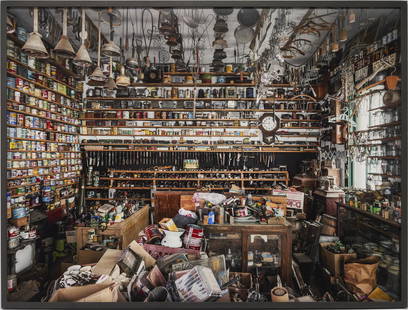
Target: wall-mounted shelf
(41,98)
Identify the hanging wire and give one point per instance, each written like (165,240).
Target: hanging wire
(147,46)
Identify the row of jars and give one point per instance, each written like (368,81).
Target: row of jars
(183,132)
(13,67)
(50,111)
(28,90)
(17,119)
(23,133)
(44,180)
(40,146)
(45,68)
(41,155)
(41,163)
(15,173)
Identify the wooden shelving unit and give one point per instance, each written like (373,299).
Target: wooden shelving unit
(46,109)
(241,178)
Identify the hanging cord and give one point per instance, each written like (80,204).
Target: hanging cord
(144,33)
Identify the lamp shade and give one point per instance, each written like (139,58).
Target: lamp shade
(97,75)
(34,46)
(122,79)
(110,49)
(110,84)
(82,57)
(64,48)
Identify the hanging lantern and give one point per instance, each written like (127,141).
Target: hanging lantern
(82,57)
(110,83)
(64,47)
(34,46)
(97,74)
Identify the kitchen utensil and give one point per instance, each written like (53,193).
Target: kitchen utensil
(172,238)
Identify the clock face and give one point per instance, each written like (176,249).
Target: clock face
(269,123)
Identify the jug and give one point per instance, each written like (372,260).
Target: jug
(172,238)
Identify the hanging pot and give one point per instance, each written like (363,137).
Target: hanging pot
(220,26)
(392,98)
(248,17)
(223,11)
(244,34)
(379,77)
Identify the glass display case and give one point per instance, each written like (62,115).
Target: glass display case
(247,246)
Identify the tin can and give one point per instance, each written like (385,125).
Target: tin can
(152,233)
(193,237)
(11,282)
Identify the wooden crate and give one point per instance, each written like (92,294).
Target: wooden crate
(127,230)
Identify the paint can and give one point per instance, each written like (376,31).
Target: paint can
(193,237)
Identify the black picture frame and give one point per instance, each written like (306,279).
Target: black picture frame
(402,5)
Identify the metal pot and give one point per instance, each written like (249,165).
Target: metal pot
(248,17)
(392,98)
(379,77)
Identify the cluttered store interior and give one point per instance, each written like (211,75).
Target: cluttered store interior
(203,154)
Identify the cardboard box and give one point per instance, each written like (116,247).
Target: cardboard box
(102,292)
(333,262)
(22,221)
(139,250)
(107,262)
(88,256)
(295,199)
(328,230)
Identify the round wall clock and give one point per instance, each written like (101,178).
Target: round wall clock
(269,123)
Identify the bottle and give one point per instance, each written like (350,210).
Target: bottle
(211,217)
(228,258)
